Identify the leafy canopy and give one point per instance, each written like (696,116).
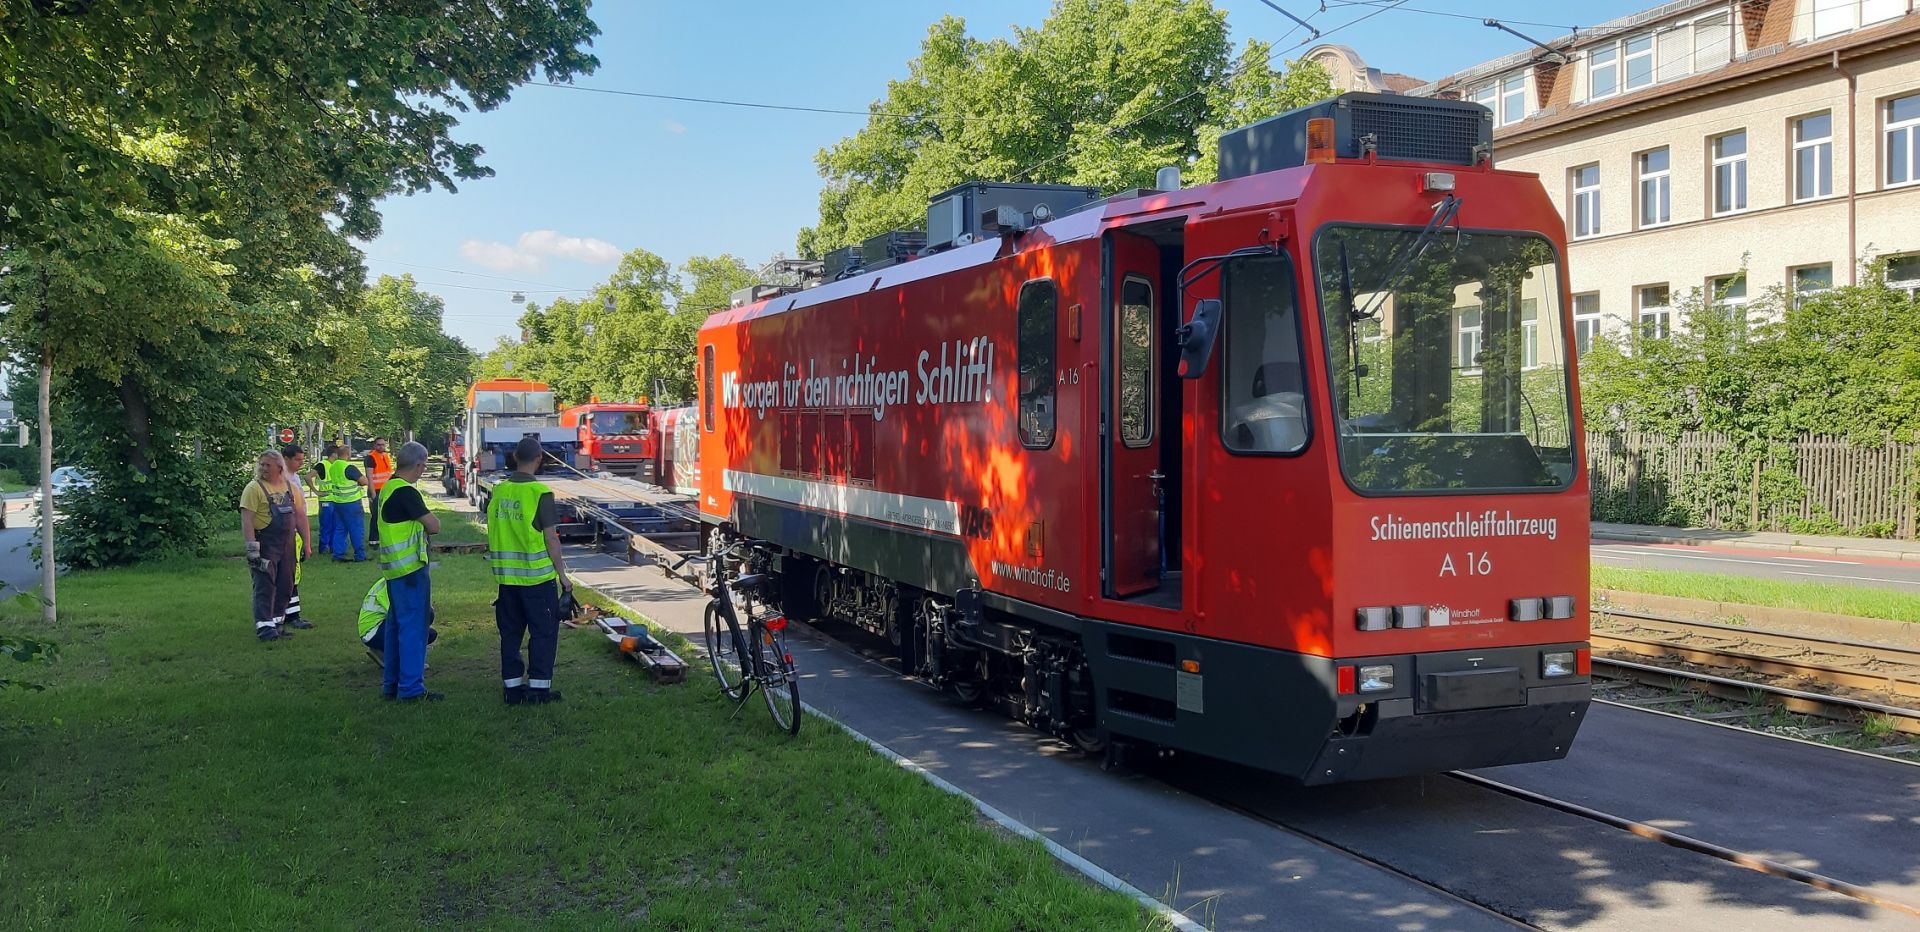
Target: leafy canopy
(1102,93)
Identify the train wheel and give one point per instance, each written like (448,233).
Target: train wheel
(969,691)
(1090,740)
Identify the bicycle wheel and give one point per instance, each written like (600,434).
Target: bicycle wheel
(779,682)
(723,652)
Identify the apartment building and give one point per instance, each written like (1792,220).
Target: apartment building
(1726,147)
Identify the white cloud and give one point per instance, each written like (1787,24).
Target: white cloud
(530,252)
(675,127)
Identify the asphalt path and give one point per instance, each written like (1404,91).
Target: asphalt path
(1234,848)
(1729,561)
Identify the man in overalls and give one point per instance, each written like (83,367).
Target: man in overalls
(296,458)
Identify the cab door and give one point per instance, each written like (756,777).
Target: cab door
(1131,424)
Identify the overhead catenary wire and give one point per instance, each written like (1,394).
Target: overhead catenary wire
(724,102)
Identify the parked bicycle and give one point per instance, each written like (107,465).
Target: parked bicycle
(753,655)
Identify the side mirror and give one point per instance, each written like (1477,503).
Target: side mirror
(1197,337)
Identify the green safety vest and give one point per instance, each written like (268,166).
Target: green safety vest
(403,544)
(341,489)
(374,610)
(517,551)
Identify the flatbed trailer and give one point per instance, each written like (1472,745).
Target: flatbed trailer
(616,514)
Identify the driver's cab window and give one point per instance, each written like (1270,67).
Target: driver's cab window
(1265,405)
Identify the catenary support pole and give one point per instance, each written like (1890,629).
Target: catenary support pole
(46,482)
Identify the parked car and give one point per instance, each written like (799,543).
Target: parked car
(65,479)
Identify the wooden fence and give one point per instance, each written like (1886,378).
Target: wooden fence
(1813,484)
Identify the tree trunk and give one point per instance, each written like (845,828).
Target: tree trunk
(47,562)
(139,425)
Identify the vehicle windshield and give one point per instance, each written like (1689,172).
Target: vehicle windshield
(493,402)
(609,423)
(1447,357)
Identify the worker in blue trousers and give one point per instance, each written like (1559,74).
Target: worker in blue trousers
(346,486)
(405,523)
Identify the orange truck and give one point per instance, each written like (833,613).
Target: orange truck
(615,437)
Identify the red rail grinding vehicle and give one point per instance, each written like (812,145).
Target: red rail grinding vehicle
(1285,469)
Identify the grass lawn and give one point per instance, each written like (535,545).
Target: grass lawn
(176,773)
(10,481)
(1746,590)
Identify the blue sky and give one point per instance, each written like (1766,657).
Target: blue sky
(581,178)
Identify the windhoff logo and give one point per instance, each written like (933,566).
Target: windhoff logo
(1465,525)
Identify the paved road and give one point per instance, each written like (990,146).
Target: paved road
(1436,839)
(18,569)
(1840,571)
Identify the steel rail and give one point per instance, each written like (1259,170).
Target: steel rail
(1890,653)
(1689,843)
(1841,708)
(1888,684)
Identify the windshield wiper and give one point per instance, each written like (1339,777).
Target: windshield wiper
(1444,212)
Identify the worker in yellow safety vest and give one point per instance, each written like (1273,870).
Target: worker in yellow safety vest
(373,616)
(405,522)
(346,486)
(523,547)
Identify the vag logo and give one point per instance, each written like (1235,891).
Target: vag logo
(976,522)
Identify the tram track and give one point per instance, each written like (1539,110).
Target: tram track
(1493,908)
(1832,678)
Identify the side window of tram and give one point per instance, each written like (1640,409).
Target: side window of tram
(1265,408)
(706,387)
(1136,363)
(1038,349)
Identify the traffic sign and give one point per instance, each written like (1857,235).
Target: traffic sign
(286,435)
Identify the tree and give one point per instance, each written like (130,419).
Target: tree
(417,374)
(184,184)
(634,335)
(1103,93)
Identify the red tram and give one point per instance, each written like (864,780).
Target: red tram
(1285,469)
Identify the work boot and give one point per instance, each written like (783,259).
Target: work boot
(513,695)
(297,622)
(424,697)
(539,696)
(379,660)
(268,633)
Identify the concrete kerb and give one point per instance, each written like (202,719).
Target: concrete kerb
(1090,870)
(1900,554)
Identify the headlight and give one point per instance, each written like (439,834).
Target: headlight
(1556,663)
(1377,679)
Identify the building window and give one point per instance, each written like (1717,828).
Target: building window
(1639,51)
(1039,326)
(1727,294)
(1603,72)
(1586,201)
(1831,17)
(1813,157)
(1656,312)
(1513,98)
(1730,173)
(1903,272)
(1903,140)
(1810,280)
(1487,95)
(1466,338)
(1712,41)
(1656,191)
(1586,322)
